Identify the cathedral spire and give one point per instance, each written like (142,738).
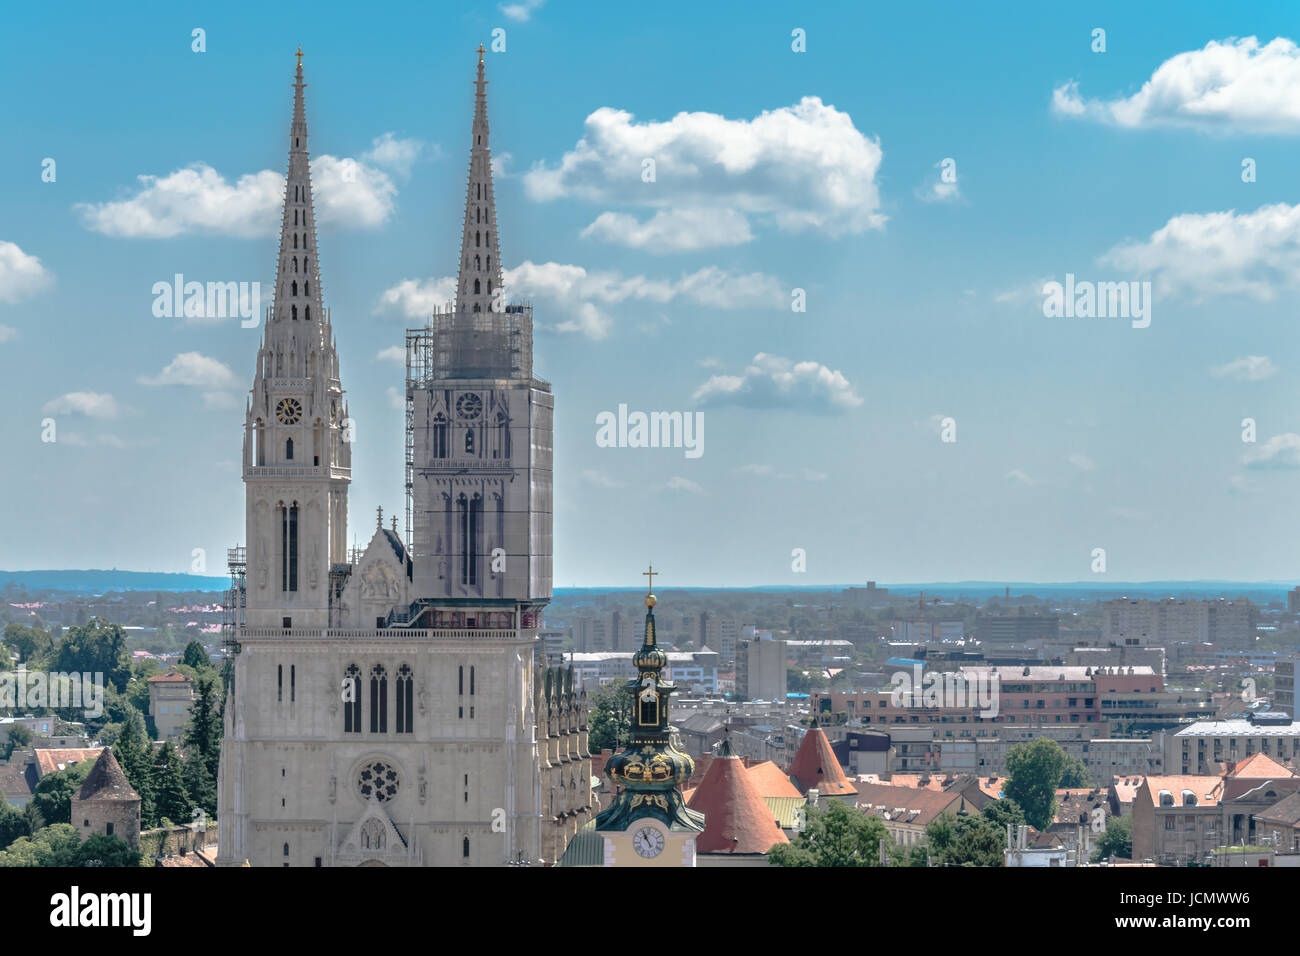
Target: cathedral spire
(479,282)
(297,285)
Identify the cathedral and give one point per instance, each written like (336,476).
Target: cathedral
(385,707)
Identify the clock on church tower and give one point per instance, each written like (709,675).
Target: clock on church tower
(648,823)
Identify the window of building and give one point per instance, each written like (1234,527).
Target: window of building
(352,700)
(378,700)
(405,700)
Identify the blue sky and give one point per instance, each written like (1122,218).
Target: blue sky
(776,170)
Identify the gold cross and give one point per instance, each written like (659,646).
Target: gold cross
(651,574)
(480,52)
(299,56)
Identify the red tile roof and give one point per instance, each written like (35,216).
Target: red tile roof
(1259,767)
(815,766)
(736,818)
(770,781)
(171,677)
(52,760)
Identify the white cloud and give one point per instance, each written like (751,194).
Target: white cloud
(771,381)
(395,153)
(7,333)
(938,190)
(396,398)
(394,353)
(220,401)
(90,404)
(1280,451)
(21,275)
(1252,368)
(599,479)
(762,470)
(677,483)
(191,368)
(78,440)
(1081,461)
(1017,477)
(1230,85)
(579,295)
(198,199)
(799,167)
(672,230)
(522,11)
(1219,253)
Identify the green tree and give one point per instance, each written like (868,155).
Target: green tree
(104,850)
(170,798)
(1116,841)
(13,823)
(1074,773)
(51,801)
(195,656)
(610,718)
(203,731)
(834,834)
(135,755)
(54,845)
(200,785)
(979,842)
(19,738)
(1034,771)
(97,647)
(31,643)
(1004,811)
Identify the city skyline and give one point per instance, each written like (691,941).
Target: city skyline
(823,429)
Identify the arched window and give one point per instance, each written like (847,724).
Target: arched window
(476,287)
(286,849)
(378,700)
(295,217)
(293,312)
(477,263)
(288,450)
(487,238)
(295,240)
(471,680)
(306,263)
(352,700)
(464,848)
(469,440)
(489,263)
(293,288)
(502,449)
(289,547)
(295,263)
(478,239)
(460,680)
(405,700)
(306,287)
(462,507)
(372,835)
(307,310)
(439,436)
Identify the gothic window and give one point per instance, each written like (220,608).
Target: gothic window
(293,289)
(476,287)
(469,440)
(377,779)
(372,835)
(295,263)
(304,240)
(307,309)
(279,682)
(293,312)
(489,263)
(471,680)
(477,263)
(295,217)
(439,436)
(306,287)
(295,240)
(293,683)
(259,442)
(352,708)
(286,849)
(461,680)
(462,508)
(289,548)
(487,238)
(502,449)
(405,700)
(378,700)
(464,848)
(306,263)
(478,239)
(479,188)
(489,286)
(288,450)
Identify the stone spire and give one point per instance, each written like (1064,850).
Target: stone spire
(297,284)
(480,260)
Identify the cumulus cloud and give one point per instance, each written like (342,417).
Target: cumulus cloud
(394,353)
(394,153)
(1252,368)
(91,404)
(1017,477)
(1230,85)
(1081,461)
(677,483)
(938,190)
(1219,253)
(771,381)
(21,275)
(580,295)
(191,368)
(522,11)
(348,193)
(599,479)
(798,167)
(1280,451)
(672,230)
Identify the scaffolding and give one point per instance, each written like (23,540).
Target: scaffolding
(234,605)
(458,345)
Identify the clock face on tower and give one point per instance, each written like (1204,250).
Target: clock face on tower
(469,406)
(288,411)
(648,842)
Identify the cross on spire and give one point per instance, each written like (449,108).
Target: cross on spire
(379,518)
(299,56)
(651,575)
(480,52)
